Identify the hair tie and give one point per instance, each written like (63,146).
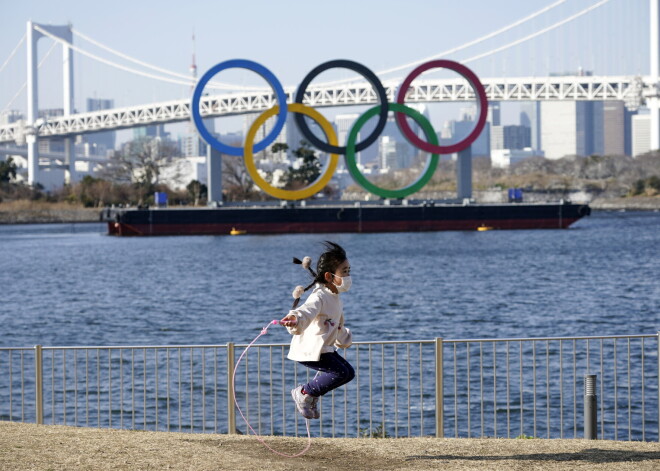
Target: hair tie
(298,292)
(306,263)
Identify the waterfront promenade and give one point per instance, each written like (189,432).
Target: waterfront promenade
(32,447)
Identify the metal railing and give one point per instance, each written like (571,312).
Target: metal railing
(486,388)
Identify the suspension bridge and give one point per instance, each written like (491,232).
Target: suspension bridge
(226,99)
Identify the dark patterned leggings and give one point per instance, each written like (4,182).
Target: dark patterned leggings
(333,370)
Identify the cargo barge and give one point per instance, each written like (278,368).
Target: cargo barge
(341,217)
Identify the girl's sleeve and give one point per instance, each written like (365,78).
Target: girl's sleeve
(344,335)
(305,314)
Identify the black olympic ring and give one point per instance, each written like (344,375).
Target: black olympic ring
(371,78)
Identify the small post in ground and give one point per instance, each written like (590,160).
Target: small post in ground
(590,409)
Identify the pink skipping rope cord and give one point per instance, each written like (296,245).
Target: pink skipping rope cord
(256,435)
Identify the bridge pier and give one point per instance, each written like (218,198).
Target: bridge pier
(213,175)
(653,95)
(69,149)
(31,137)
(464,174)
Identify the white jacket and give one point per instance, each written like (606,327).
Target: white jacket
(320,326)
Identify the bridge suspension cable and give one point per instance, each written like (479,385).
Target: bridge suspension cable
(217,85)
(13,53)
(537,33)
(458,48)
(120,66)
(20,90)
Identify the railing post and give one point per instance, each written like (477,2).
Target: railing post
(231,409)
(439,396)
(590,408)
(38,384)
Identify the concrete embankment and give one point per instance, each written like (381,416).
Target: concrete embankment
(43,213)
(638,203)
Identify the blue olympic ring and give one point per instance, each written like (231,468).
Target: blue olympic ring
(254,67)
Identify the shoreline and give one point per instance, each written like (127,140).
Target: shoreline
(42,213)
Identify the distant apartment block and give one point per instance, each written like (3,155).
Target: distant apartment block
(641,134)
(614,114)
(530,116)
(10,116)
(504,158)
(99,143)
(582,128)
(510,137)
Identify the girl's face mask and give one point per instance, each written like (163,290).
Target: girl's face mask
(345,283)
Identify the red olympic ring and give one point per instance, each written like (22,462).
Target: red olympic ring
(482,101)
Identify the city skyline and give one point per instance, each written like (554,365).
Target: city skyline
(571,61)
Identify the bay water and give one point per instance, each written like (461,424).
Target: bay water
(71,284)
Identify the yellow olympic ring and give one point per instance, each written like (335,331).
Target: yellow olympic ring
(315,186)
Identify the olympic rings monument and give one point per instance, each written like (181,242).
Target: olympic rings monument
(393,212)
(330,145)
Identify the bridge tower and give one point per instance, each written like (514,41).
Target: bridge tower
(653,94)
(32,134)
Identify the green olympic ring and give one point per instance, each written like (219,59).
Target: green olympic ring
(415,186)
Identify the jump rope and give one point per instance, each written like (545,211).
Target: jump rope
(264,331)
(297,293)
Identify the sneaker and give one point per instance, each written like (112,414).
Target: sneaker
(303,402)
(314,406)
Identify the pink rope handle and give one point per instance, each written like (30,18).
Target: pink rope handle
(256,435)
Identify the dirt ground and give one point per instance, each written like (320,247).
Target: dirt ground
(47,447)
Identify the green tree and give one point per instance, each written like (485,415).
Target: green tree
(308,171)
(7,170)
(653,182)
(279,148)
(141,163)
(637,187)
(197,191)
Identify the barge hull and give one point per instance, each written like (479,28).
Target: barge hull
(329,219)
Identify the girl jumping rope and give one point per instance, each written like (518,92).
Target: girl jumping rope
(318,329)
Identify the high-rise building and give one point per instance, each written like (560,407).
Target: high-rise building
(571,128)
(343,124)
(559,129)
(583,128)
(530,116)
(52,144)
(394,154)
(461,129)
(268,126)
(154,130)
(614,128)
(467,121)
(494,113)
(641,134)
(10,116)
(101,142)
(627,130)
(510,137)
(504,158)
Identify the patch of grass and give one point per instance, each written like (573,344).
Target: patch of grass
(378,432)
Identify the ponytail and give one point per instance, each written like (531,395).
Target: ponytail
(333,256)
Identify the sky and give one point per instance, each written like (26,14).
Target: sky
(291,37)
